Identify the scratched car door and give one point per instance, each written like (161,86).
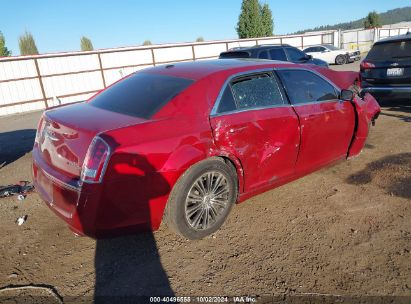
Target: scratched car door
(327,123)
(253,121)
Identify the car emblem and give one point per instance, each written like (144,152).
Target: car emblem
(394,64)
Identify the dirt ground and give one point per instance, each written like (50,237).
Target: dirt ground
(342,231)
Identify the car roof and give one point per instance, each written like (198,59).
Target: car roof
(257,47)
(406,36)
(196,70)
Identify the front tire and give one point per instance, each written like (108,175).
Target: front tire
(340,59)
(202,199)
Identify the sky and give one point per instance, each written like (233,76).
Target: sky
(58,25)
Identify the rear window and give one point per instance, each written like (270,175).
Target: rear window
(237,54)
(390,50)
(140,95)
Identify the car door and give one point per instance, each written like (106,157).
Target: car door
(253,121)
(327,123)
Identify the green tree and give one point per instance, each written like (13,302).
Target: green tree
(372,20)
(4,51)
(85,44)
(249,21)
(27,44)
(147,42)
(200,39)
(267,20)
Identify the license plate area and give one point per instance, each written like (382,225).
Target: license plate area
(393,72)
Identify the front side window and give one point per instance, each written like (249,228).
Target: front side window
(141,94)
(256,91)
(295,55)
(305,86)
(311,49)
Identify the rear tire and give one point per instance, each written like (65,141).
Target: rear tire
(340,59)
(202,199)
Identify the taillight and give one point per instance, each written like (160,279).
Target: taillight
(40,129)
(96,161)
(366,65)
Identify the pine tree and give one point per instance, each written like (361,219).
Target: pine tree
(200,39)
(372,20)
(147,42)
(267,20)
(85,44)
(249,22)
(4,51)
(27,44)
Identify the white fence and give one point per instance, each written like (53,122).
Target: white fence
(29,83)
(363,39)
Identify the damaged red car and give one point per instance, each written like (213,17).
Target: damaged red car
(184,142)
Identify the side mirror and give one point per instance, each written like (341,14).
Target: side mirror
(347,95)
(305,58)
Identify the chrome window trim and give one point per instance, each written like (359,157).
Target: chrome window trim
(214,110)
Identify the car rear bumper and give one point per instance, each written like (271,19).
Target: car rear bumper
(120,206)
(389,92)
(353,58)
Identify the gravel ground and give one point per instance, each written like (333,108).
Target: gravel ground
(342,231)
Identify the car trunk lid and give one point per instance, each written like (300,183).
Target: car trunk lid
(65,134)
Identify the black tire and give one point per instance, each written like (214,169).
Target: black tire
(340,59)
(178,206)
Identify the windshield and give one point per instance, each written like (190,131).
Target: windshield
(331,47)
(390,50)
(140,95)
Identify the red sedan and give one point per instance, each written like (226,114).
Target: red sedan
(185,142)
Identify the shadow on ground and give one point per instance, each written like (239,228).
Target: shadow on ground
(15,144)
(391,107)
(392,173)
(128,268)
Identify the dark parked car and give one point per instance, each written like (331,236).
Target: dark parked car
(283,52)
(386,71)
(190,140)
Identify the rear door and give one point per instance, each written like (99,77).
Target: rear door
(327,123)
(391,64)
(253,121)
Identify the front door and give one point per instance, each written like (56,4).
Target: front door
(327,123)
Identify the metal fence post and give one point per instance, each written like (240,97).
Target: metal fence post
(152,57)
(41,83)
(101,70)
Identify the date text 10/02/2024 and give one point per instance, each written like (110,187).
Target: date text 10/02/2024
(223,299)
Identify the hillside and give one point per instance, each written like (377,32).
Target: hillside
(388,17)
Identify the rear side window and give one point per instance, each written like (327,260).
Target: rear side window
(227,102)
(256,91)
(304,86)
(140,95)
(278,54)
(263,55)
(235,54)
(391,50)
